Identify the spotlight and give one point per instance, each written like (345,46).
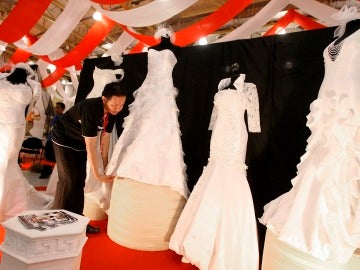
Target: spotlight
(97,16)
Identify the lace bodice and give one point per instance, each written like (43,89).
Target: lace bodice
(13,101)
(160,63)
(158,78)
(229,137)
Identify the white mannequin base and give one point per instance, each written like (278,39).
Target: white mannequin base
(143,216)
(278,255)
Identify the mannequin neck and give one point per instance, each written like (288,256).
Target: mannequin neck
(18,76)
(351,27)
(166,43)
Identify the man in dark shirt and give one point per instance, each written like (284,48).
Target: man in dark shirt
(74,139)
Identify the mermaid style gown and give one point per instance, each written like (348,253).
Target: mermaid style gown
(320,215)
(149,149)
(217,228)
(16,194)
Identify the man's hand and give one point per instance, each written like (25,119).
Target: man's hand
(105,178)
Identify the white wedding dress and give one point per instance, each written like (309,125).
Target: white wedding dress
(320,215)
(16,194)
(149,149)
(217,229)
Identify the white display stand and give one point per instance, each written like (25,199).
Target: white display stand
(143,216)
(57,248)
(279,255)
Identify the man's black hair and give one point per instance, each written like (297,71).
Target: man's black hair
(62,105)
(114,89)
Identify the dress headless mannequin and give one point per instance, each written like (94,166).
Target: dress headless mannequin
(16,194)
(320,214)
(217,227)
(147,197)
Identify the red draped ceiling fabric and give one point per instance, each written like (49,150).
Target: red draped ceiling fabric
(22,56)
(293,16)
(108,2)
(94,36)
(19,54)
(200,29)
(29,12)
(53,77)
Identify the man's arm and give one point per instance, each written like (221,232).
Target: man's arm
(91,149)
(104,148)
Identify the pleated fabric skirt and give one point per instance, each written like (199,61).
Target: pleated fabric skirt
(281,256)
(143,216)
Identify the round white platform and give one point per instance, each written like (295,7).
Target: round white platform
(278,255)
(143,216)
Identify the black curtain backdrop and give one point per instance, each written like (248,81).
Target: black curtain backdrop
(287,70)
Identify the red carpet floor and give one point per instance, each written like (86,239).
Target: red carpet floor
(100,252)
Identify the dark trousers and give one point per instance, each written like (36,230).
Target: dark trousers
(49,156)
(71,165)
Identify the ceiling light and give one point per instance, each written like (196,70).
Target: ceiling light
(51,67)
(203,41)
(280,31)
(106,46)
(97,16)
(25,40)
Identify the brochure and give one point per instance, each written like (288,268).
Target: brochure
(46,220)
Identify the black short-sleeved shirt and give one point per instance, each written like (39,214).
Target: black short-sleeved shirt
(84,119)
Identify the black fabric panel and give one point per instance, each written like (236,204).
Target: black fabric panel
(287,70)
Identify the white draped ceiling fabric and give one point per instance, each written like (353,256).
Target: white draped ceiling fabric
(312,7)
(60,30)
(156,12)
(57,91)
(119,46)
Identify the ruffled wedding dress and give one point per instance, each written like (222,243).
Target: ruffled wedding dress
(150,189)
(217,229)
(16,194)
(149,149)
(320,215)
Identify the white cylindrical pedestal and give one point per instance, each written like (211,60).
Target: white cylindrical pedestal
(143,216)
(279,255)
